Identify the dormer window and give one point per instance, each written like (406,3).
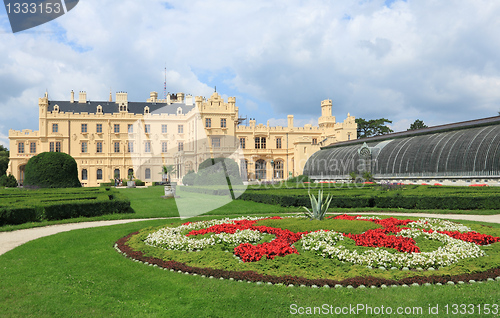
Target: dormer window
(56,108)
(99,109)
(123,108)
(146,110)
(179,111)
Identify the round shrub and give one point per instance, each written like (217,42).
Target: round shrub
(8,181)
(189,178)
(52,170)
(211,172)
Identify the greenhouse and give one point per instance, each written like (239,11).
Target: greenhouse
(460,152)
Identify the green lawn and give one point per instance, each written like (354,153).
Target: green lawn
(79,274)
(148,203)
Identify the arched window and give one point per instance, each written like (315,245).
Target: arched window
(146,110)
(56,108)
(99,174)
(278,169)
(116,173)
(260,170)
(84,174)
(99,109)
(147,173)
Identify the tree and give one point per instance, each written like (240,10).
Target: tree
(168,170)
(373,127)
(4,160)
(52,170)
(418,124)
(8,181)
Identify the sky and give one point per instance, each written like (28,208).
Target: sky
(400,60)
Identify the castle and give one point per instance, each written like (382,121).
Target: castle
(113,139)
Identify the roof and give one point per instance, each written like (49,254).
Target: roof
(469,148)
(424,131)
(112,107)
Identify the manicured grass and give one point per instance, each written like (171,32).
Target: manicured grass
(79,274)
(148,203)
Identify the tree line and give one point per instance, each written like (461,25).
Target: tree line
(377,127)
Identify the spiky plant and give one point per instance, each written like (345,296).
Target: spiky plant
(319,206)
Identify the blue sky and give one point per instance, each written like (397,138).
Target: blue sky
(401,60)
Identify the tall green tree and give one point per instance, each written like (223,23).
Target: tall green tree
(4,160)
(417,124)
(373,127)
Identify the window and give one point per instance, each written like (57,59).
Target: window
(147,146)
(130,128)
(99,109)
(278,169)
(260,169)
(163,129)
(314,141)
(208,122)
(147,128)
(33,147)
(215,142)
(54,146)
(20,148)
(278,143)
(116,173)
(130,146)
(260,142)
(180,129)
(99,174)
(244,169)
(164,147)
(55,128)
(180,146)
(84,128)
(130,172)
(242,143)
(84,174)
(98,128)
(99,146)
(223,123)
(146,110)
(117,128)
(147,173)
(117,146)
(84,147)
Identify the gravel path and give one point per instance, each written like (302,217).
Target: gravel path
(10,240)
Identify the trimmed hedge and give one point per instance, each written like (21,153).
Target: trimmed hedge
(21,206)
(206,190)
(52,170)
(413,197)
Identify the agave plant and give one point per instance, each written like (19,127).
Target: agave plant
(319,207)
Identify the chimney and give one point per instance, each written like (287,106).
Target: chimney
(82,98)
(72,99)
(180,97)
(290,121)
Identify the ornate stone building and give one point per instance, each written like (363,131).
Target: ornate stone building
(111,139)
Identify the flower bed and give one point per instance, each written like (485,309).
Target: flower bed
(393,246)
